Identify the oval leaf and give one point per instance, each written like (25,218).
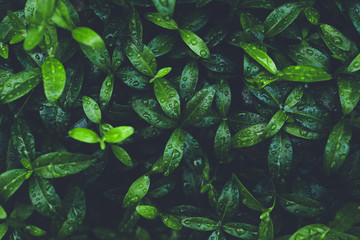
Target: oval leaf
(300,205)
(160,21)
(228,201)
(91,109)
(196,44)
(122,155)
(173,152)
(88,37)
(137,191)
(249,136)
(167,97)
(54,78)
(148,212)
(118,134)
(304,74)
(10,181)
(200,223)
(84,135)
(349,93)
(241,230)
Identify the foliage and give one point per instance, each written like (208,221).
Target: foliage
(188,119)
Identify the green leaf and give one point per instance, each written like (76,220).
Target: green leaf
(54,78)
(247,198)
(84,135)
(75,207)
(173,152)
(132,78)
(241,230)
(19,84)
(117,58)
(44,8)
(137,191)
(167,97)
(106,91)
(223,97)
(10,181)
(260,56)
(312,15)
(61,16)
(308,56)
(99,57)
(162,72)
(3,214)
(196,44)
(198,106)
(150,111)
(75,77)
(22,139)
(165,7)
(118,134)
(149,212)
(219,63)
(300,205)
(228,201)
(56,164)
(294,97)
(144,61)
(122,155)
(302,132)
(91,109)
(34,35)
(310,232)
(35,231)
(189,79)
(4,50)
(334,38)
(349,93)
(280,18)
(156,18)
(304,74)
(337,146)
(266,228)
(17,24)
(200,223)
(171,221)
(22,211)
(161,44)
(222,141)
(354,65)
(280,156)
(352,8)
(275,124)
(3,229)
(249,136)
(217,235)
(136,30)
(194,20)
(44,198)
(88,37)
(347,216)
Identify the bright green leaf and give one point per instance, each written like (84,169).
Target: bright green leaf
(137,191)
(91,109)
(167,97)
(10,181)
(54,78)
(195,43)
(160,21)
(304,74)
(118,134)
(149,212)
(122,155)
(88,37)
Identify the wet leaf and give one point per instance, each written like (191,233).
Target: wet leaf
(195,43)
(228,201)
(88,37)
(302,132)
(54,78)
(304,74)
(136,30)
(99,57)
(189,79)
(35,231)
(167,97)
(91,109)
(219,63)
(310,232)
(34,35)
(122,155)
(61,16)
(275,124)
(10,181)
(118,134)
(249,136)
(300,205)
(84,135)
(160,21)
(241,230)
(132,78)
(308,56)
(106,91)
(223,97)
(171,221)
(165,7)
(161,44)
(200,223)
(149,212)
(266,228)
(294,97)
(312,15)
(337,146)
(222,141)
(137,191)
(347,216)
(55,164)
(23,139)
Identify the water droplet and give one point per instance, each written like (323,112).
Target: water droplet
(203,53)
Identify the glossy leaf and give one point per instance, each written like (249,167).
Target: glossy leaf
(75,77)
(122,155)
(99,57)
(194,20)
(171,221)
(189,79)
(302,132)
(354,65)
(44,197)
(174,151)
(241,230)
(228,201)
(198,106)
(308,56)
(266,228)
(118,134)
(275,124)
(136,30)
(84,135)
(222,141)
(167,97)
(260,56)
(163,72)
(195,43)
(23,140)
(54,78)
(349,93)
(199,223)
(160,21)
(34,35)
(334,38)
(337,146)
(35,231)
(10,181)
(4,50)
(304,74)
(300,205)
(61,16)
(294,97)
(91,109)
(310,232)
(249,136)
(132,78)
(144,61)
(165,8)
(219,63)
(149,212)
(19,84)
(88,37)
(3,214)
(55,164)
(280,156)
(312,15)
(247,198)
(3,229)
(106,91)
(161,44)
(137,191)
(150,111)
(280,18)
(223,97)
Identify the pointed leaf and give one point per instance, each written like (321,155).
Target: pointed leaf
(266,228)
(347,216)
(136,30)
(189,79)
(195,43)
(118,134)
(88,37)
(137,191)
(171,221)
(34,35)
(241,230)
(10,181)
(304,74)
(312,15)
(3,229)
(91,109)
(99,57)
(161,44)
(302,132)
(222,141)
(308,56)
(310,232)
(200,223)
(294,97)
(228,201)
(156,18)
(122,155)
(167,97)
(133,78)
(249,136)
(22,139)
(300,205)
(349,93)
(84,135)
(162,72)
(54,78)
(173,152)
(106,91)
(165,8)
(223,97)
(149,212)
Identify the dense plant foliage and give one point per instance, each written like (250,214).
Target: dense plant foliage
(188,119)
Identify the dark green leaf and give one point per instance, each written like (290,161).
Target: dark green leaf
(249,136)
(304,74)
(280,156)
(99,57)
(161,44)
(217,235)
(266,228)
(242,119)
(337,146)
(267,4)
(223,97)
(200,223)
(300,205)
(149,212)
(17,24)
(144,61)
(280,18)
(19,84)
(118,134)
(55,164)
(88,37)
(347,216)
(219,63)
(75,78)
(171,221)
(349,93)
(228,201)
(132,78)
(106,91)
(10,181)
(202,3)
(294,97)
(91,109)
(167,97)
(122,155)
(241,230)
(3,214)
(310,232)
(173,152)
(312,15)
(195,43)
(354,65)
(189,79)
(195,20)
(160,21)
(44,198)
(3,229)
(137,191)
(308,56)
(54,78)
(260,56)
(84,135)
(101,9)
(198,106)
(136,30)
(22,139)
(302,132)
(222,141)
(165,7)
